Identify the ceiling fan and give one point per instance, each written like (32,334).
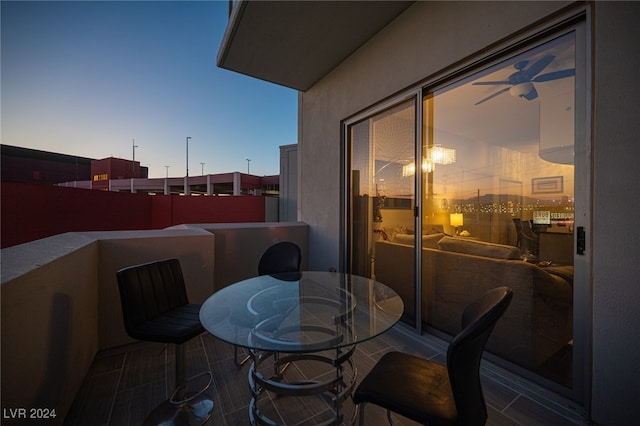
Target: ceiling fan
(521,81)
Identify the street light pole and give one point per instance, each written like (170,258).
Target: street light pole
(188,137)
(133,165)
(167,167)
(202,169)
(248,161)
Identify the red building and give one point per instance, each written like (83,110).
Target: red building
(35,166)
(114,168)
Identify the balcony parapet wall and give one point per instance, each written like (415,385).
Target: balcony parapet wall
(60,303)
(238,246)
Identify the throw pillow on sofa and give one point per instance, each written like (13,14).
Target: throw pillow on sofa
(428,241)
(478,248)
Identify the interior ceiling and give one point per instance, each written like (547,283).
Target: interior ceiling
(296,43)
(504,120)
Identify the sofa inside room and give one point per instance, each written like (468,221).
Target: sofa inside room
(457,270)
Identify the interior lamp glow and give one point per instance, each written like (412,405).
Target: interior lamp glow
(410,169)
(439,155)
(456,220)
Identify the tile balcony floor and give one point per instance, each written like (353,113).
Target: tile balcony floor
(124,384)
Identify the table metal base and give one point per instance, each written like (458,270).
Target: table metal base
(334,390)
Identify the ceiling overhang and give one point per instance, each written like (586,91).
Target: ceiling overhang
(296,43)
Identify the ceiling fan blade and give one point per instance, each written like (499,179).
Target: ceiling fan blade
(492,96)
(490,83)
(540,64)
(555,75)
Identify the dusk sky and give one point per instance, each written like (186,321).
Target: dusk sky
(87,78)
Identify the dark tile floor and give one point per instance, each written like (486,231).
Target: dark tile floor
(125,384)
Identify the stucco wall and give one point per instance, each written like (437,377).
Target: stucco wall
(616,202)
(238,247)
(119,249)
(49,321)
(430,37)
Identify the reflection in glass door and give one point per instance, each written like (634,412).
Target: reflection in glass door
(382,198)
(499,209)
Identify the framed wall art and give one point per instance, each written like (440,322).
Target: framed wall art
(547,185)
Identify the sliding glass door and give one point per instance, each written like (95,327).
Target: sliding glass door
(490,201)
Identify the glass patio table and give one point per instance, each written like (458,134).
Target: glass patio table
(301,318)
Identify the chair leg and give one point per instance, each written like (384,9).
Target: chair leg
(181,409)
(389,417)
(179,396)
(361,413)
(241,362)
(181,367)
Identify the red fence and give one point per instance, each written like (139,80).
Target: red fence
(31,212)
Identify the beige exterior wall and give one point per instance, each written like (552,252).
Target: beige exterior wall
(239,246)
(429,38)
(288,198)
(616,203)
(194,249)
(49,321)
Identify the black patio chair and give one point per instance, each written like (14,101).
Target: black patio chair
(527,240)
(155,308)
(432,393)
(283,259)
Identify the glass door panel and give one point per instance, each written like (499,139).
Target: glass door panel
(382,198)
(498,203)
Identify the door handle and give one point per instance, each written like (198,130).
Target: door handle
(580,240)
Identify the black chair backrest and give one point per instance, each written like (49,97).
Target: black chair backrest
(465,353)
(527,229)
(284,256)
(149,290)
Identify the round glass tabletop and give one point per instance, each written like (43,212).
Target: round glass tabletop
(301,312)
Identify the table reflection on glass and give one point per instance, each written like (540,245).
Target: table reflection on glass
(301,318)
